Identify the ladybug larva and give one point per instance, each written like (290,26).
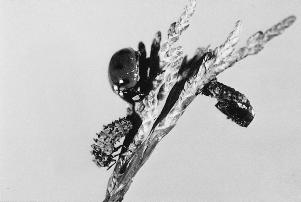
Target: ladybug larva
(109,141)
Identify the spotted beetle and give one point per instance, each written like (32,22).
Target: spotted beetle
(131,73)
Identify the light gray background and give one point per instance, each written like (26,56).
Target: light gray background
(54,96)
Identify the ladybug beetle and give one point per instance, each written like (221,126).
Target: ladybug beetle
(124,74)
(131,73)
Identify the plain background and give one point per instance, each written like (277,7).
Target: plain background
(54,96)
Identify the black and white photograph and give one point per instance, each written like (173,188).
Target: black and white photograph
(150,101)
